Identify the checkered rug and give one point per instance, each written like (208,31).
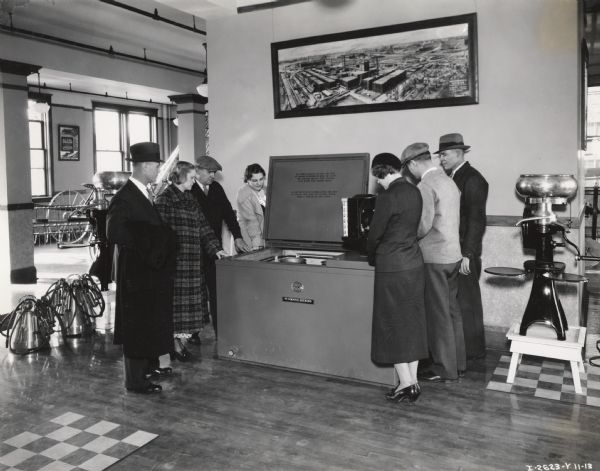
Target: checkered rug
(71,442)
(550,379)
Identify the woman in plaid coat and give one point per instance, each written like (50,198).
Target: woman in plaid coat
(180,210)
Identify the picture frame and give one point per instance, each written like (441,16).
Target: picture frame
(430,63)
(68,142)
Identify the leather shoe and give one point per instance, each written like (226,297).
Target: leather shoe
(410,393)
(432,377)
(180,356)
(461,373)
(428,375)
(158,372)
(150,388)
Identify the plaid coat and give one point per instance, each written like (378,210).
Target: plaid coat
(182,213)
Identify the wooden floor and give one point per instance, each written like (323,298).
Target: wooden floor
(225,415)
(222,415)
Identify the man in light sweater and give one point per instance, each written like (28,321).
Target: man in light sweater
(440,245)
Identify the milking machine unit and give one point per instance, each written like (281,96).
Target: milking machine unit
(538,227)
(72,303)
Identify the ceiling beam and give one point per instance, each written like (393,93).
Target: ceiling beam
(155,16)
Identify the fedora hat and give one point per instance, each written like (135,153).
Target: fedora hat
(413,151)
(144,152)
(452,141)
(207,162)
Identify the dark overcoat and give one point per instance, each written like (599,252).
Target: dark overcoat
(144,274)
(399,333)
(473,198)
(182,213)
(217,208)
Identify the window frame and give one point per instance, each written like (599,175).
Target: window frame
(124,135)
(46,145)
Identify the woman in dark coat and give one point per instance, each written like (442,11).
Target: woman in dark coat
(399,335)
(180,210)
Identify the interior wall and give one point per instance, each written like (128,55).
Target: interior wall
(77,110)
(525,122)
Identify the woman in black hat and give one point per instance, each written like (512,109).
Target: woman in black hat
(399,335)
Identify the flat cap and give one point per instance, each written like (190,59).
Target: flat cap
(207,162)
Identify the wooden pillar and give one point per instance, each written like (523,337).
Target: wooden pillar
(16,207)
(191,116)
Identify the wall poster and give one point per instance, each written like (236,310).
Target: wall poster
(68,142)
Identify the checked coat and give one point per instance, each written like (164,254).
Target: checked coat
(182,213)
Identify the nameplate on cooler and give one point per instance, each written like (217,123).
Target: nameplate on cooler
(289,299)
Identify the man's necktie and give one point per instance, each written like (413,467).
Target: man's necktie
(149,195)
(205,189)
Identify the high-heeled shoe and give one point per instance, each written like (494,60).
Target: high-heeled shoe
(180,352)
(410,393)
(175,355)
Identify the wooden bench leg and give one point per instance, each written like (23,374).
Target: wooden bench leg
(512,370)
(576,379)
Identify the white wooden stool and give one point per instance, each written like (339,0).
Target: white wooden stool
(541,341)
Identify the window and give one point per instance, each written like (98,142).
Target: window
(38,147)
(115,129)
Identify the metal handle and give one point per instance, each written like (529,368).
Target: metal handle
(551,218)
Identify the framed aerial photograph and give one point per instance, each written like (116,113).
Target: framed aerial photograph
(68,142)
(412,65)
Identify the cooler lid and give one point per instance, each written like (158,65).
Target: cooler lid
(304,194)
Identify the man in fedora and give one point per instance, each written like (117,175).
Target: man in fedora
(474,191)
(438,240)
(217,209)
(145,262)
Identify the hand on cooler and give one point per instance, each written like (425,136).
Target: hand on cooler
(241,246)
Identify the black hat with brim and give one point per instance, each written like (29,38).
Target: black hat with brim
(144,152)
(452,141)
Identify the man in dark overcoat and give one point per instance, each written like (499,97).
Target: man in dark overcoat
(217,209)
(145,262)
(473,197)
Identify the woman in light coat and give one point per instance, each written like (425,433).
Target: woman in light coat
(251,204)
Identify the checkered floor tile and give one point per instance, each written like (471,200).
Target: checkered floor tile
(550,379)
(71,442)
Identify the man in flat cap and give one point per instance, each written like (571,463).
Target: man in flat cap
(217,209)
(438,240)
(145,262)
(474,191)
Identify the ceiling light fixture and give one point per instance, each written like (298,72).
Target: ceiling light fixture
(202,89)
(39,105)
